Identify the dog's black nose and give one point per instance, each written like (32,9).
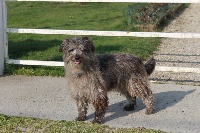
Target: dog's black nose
(77,57)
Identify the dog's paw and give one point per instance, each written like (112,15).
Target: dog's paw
(129,107)
(80,118)
(95,121)
(149,111)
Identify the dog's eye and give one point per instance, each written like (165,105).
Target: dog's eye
(70,50)
(86,51)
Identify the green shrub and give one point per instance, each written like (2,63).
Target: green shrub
(143,15)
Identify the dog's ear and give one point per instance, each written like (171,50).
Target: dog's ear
(89,43)
(85,38)
(61,48)
(63,45)
(92,48)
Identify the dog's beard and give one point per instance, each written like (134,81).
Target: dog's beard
(72,62)
(81,65)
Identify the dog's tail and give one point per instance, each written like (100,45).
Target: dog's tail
(150,65)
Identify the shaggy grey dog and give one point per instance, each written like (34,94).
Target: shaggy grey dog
(90,77)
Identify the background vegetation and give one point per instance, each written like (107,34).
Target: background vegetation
(150,16)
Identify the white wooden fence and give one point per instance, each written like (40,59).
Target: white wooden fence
(4,30)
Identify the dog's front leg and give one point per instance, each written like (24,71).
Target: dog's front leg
(100,104)
(82,106)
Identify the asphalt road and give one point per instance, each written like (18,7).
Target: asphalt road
(177,107)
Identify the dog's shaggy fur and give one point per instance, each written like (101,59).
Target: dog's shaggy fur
(90,77)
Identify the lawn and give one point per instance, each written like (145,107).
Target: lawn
(34,125)
(68,16)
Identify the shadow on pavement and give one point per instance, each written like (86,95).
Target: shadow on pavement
(162,101)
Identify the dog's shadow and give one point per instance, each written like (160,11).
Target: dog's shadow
(162,101)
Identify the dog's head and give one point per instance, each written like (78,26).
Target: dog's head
(77,50)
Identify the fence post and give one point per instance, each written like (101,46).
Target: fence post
(2,35)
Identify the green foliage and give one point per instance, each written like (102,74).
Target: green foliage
(139,14)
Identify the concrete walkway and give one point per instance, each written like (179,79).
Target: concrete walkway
(177,107)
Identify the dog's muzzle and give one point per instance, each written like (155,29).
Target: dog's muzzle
(77,60)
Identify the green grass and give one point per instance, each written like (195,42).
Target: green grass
(32,125)
(68,16)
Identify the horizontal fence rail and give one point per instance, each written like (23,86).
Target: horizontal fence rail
(56,63)
(35,62)
(177,69)
(139,1)
(105,33)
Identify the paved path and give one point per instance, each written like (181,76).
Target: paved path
(177,107)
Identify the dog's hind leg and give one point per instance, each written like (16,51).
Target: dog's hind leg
(82,106)
(148,101)
(100,104)
(140,87)
(132,102)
